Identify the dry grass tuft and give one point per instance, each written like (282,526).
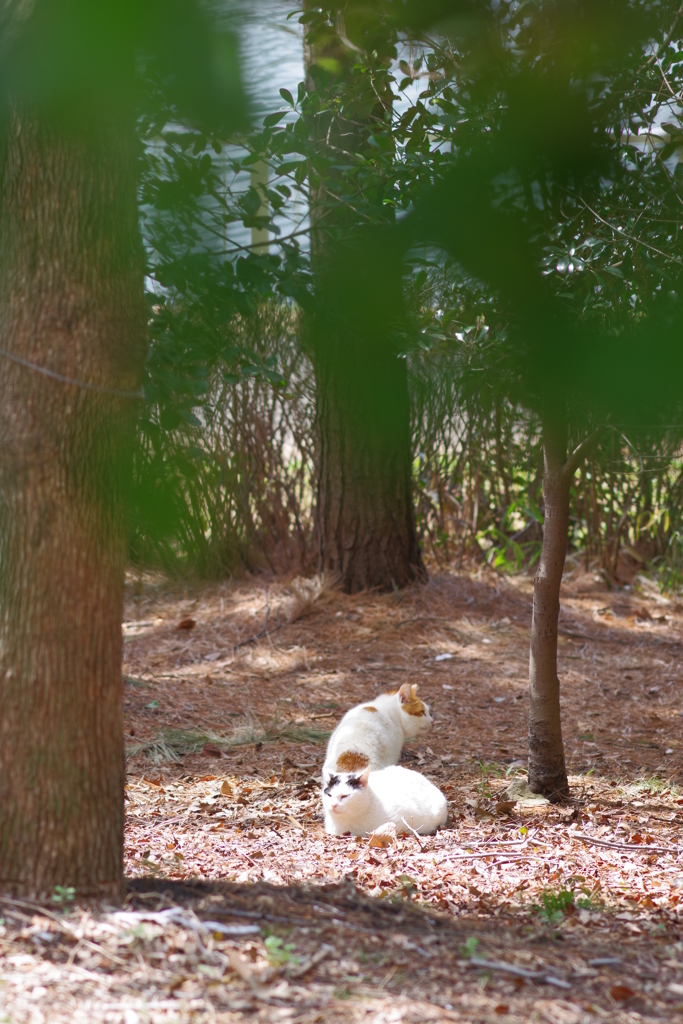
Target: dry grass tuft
(172,745)
(306,592)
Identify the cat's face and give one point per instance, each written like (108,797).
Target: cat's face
(344,792)
(415,716)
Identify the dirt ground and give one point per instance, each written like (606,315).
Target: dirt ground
(240,907)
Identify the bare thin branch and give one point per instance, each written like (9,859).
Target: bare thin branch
(579,453)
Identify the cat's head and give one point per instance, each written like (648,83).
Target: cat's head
(344,792)
(415,717)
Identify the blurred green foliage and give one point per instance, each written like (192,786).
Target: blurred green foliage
(513,176)
(78,62)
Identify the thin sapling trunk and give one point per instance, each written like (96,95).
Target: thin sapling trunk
(547,771)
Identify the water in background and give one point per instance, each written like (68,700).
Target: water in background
(272,58)
(272,51)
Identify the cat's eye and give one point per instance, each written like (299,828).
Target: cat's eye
(343,796)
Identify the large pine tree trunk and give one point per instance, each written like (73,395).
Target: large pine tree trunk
(365,514)
(71,301)
(365,517)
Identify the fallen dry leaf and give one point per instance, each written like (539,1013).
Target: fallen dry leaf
(505,806)
(383,836)
(620,993)
(211,750)
(245,972)
(186,624)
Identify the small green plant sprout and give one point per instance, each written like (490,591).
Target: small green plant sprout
(63,895)
(670,571)
(588,899)
(504,553)
(487,771)
(470,947)
(555,905)
(277,952)
(408,886)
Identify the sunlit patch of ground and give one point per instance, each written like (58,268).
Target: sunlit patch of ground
(559,914)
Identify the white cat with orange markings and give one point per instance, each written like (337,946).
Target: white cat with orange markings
(372,735)
(362,803)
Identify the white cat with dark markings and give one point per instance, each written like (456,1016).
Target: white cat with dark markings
(372,735)
(361,803)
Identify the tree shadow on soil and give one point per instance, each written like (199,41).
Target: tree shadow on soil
(332,947)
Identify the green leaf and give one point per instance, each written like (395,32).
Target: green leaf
(330,64)
(189,417)
(287,97)
(272,119)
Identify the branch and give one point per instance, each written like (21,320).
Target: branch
(574,461)
(620,231)
(668,37)
(261,632)
(519,972)
(640,848)
(415,833)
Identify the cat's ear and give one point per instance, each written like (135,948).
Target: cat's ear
(404,694)
(413,691)
(363,779)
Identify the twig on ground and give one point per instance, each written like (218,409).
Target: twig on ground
(639,847)
(491,853)
(261,632)
(585,636)
(432,618)
(519,972)
(416,834)
(312,961)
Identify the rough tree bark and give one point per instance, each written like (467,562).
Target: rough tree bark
(547,771)
(71,301)
(365,516)
(365,512)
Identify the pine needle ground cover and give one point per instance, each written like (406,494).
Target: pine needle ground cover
(240,907)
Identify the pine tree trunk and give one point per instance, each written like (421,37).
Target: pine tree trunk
(71,300)
(365,514)
(365,517)
(547,772)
